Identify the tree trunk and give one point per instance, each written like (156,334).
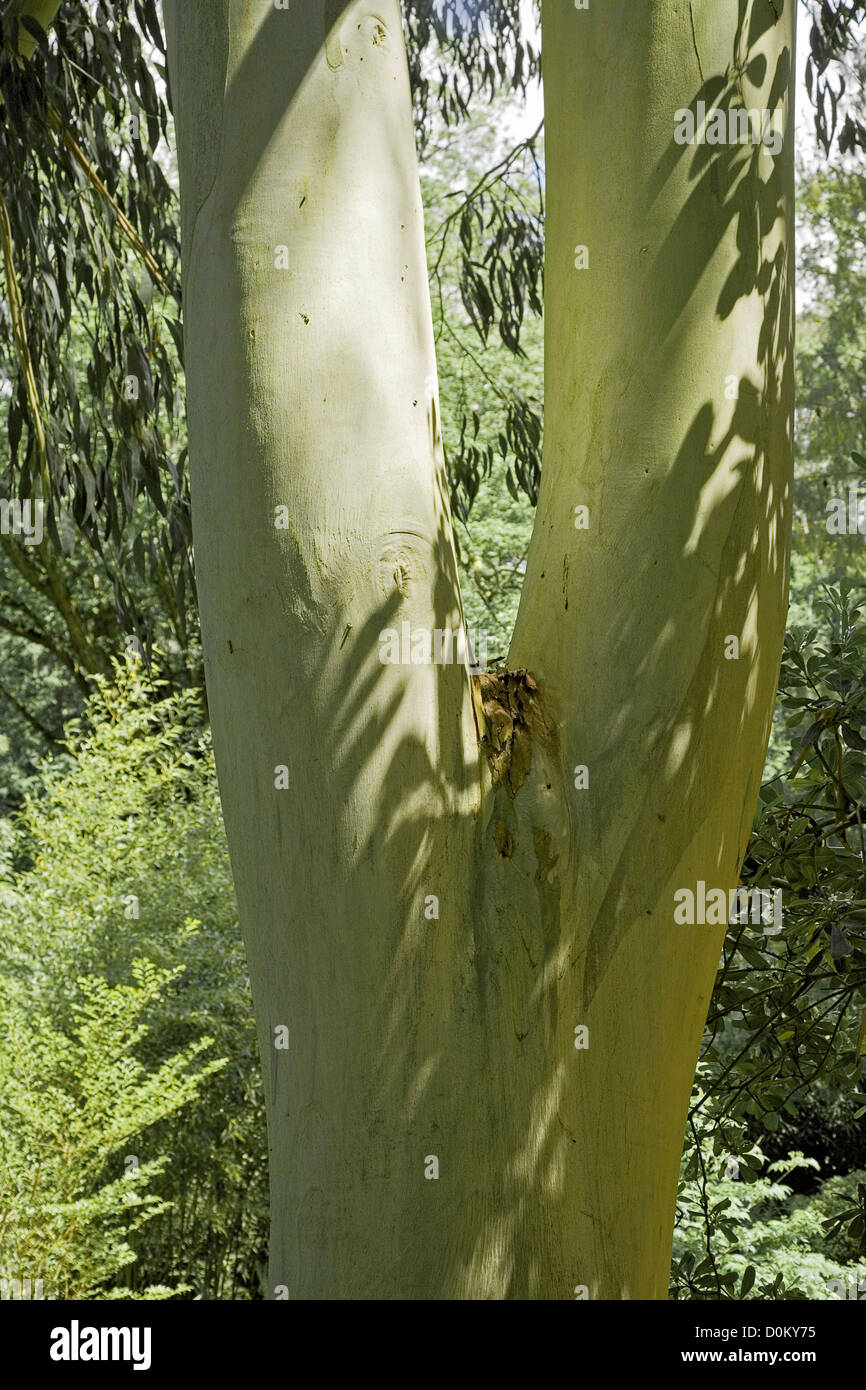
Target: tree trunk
(432,907)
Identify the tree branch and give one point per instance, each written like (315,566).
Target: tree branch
(52,739)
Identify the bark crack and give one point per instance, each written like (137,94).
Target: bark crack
(695,40)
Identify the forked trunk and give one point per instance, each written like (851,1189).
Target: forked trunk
(478,1017)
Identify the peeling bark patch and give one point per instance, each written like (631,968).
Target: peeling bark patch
(503,840)
(508,700)
(565,1129)
(333,51)
(547,861)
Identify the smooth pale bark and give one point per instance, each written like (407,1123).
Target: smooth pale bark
(312,387)
(687,300)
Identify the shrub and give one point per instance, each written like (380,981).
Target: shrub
(121,856)
(72,1101)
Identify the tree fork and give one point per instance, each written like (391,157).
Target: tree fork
(439,916)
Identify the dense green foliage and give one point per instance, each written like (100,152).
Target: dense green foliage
(119,860)
(759,1239)
(75,1094)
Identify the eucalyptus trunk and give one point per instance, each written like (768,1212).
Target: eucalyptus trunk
(479,1021)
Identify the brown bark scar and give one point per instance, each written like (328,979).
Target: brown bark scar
(507,702)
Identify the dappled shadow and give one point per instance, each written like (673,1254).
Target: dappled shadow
(685,552)
(379,815)
(742,460)
(413,1035)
